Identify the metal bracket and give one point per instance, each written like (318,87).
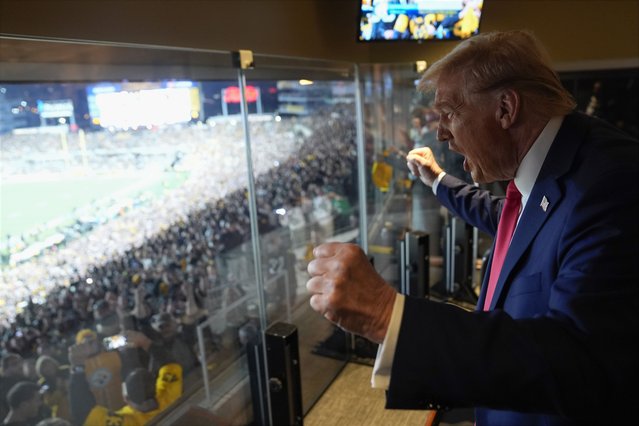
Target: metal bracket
(243,59)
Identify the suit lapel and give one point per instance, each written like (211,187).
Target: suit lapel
(557,163)
(531,221)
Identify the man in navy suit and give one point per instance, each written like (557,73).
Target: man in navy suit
(556,343)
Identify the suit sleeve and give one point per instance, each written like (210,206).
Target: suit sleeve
(475,206)
(577,357)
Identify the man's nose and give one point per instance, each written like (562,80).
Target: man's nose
(442,133)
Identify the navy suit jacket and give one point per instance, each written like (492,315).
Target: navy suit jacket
(560,345)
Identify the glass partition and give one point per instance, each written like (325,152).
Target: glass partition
(388,93)
(129,180)
(397,119)
(171,192)
(304,164)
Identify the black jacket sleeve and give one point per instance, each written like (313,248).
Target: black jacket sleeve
(81,399)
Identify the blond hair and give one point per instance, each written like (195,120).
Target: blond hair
(504,60)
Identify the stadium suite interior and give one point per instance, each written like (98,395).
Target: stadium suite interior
(580,36)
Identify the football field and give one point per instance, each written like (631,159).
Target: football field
(33,203)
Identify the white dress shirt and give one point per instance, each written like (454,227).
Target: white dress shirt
(525,178)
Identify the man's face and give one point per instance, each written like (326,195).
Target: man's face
(470,124)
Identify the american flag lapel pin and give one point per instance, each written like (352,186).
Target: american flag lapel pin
(544,203)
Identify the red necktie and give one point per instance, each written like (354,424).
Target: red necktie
(505,230)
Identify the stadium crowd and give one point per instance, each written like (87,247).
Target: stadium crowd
(56,152)
(158,269)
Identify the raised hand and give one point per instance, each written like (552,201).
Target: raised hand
(422,164)
(349,292)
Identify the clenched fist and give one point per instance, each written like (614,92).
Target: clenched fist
(349,292)
(422,164)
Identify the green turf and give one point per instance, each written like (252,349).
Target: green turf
(26,205)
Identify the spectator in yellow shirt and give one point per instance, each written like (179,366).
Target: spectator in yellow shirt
(145,396)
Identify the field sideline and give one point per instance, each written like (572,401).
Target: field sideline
(25,205)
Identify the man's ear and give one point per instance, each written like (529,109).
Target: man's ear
(508,108)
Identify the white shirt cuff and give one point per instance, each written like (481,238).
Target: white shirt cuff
(439,178)
(386,351)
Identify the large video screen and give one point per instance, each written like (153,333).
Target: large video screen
(418,20)
(136,105)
